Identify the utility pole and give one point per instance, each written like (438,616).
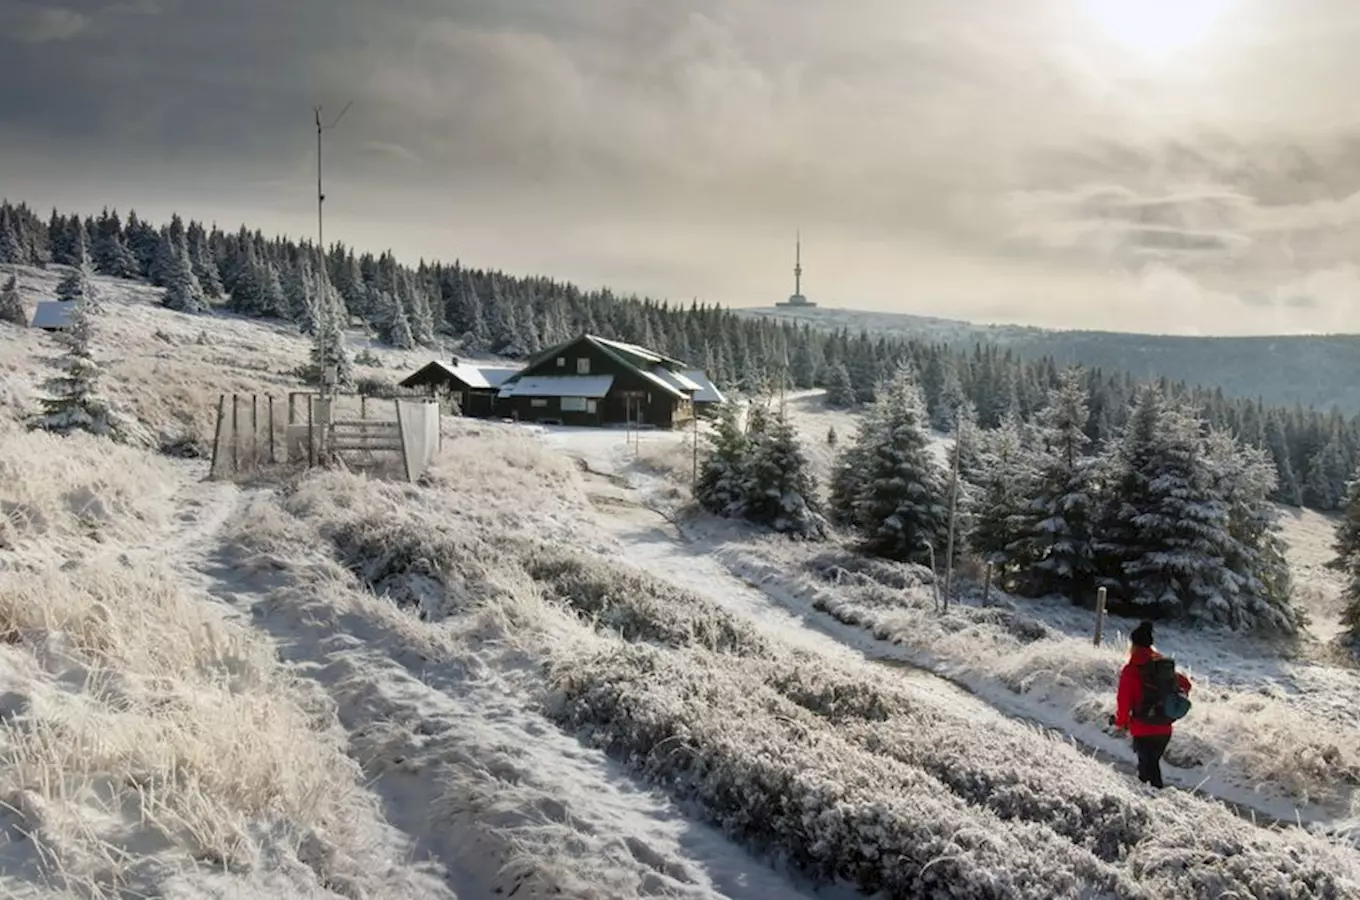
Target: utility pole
(325,316)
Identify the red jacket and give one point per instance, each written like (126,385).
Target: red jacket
(1131,694)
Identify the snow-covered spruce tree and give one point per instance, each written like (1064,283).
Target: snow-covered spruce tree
(840,390)
(1163,543)
(329,347)
(11,248)
(77,287)
(721,474)
(776,482)
(1055,545)
(73,401)
(11,307)
(1346,542)
(889,486)
(1259,587)
(1006,480)
(183,293)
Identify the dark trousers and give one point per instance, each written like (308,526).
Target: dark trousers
(1150,750)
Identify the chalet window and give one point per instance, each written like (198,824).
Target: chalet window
(591,407)
(574,404)
(561,362)
(538,402)
(583,365)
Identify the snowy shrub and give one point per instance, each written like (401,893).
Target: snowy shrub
(841,566)
(831,693)
(640,607)
(768,775)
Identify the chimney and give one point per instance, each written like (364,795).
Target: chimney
(455,360)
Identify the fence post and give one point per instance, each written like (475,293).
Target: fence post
(953,509)
(363,406)
(1100,615)
(311,432)
(292,407)
(272,458)
(401,439)
(987,585)
(254,430)
(217,432)
(235,434)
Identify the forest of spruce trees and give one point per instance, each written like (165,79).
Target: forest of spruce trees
(1313,452)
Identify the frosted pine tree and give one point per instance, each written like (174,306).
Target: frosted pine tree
(183,293)
(11,248)
(399,324)
(1259,583)
(897,491)
(73,401)
(1055,545)
(840,390)
(163,263)
(722,472)
(1007,479)
(11,307)
(776,485)
(78,287)
(1346,541)
(1164,541)
(329,347)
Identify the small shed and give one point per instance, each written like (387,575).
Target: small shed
(473,386)
(53,315)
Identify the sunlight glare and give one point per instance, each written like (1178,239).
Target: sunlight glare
(1157,27)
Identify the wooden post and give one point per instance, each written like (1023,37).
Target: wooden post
(401,439)
(694,428)
(953,505)
(987,585)
(217,433)
(235,434)
(935,579)
(272,457)
(363,406)
(254,430)
(311,431)
(292,407)
(1100,615)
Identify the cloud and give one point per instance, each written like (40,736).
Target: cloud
(32,23)
(947,158)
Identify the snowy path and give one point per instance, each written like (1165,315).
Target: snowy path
(482,787)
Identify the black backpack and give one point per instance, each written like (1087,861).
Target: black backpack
(1163,701)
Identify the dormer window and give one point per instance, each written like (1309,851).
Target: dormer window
(583,365)
(561,362)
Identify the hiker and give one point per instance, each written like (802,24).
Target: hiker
(1146,684)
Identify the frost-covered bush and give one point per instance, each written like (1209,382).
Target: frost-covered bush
(774,777)
(842,566)
(640,607)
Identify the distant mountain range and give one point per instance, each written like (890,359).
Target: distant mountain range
(1314,370)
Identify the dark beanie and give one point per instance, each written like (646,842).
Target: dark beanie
(1142,635)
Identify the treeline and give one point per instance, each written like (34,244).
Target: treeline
(1171,515)
(490,312)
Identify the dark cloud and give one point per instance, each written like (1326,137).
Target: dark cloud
(951,158)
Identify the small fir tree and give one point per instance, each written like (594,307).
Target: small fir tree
(721,475)
(183,293)
(777,487)
(11,307)
(73,401)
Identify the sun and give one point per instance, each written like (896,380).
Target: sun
(1158,27)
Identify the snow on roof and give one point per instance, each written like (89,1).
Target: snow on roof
(53,314)
(675,382)
(474,376)
(634,349)
(708,392)
(589,386)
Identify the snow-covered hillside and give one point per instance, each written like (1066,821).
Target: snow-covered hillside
(519,679)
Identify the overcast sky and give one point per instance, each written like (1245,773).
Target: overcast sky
(1189,168)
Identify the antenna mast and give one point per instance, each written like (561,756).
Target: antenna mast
(798,264)
(326,317)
